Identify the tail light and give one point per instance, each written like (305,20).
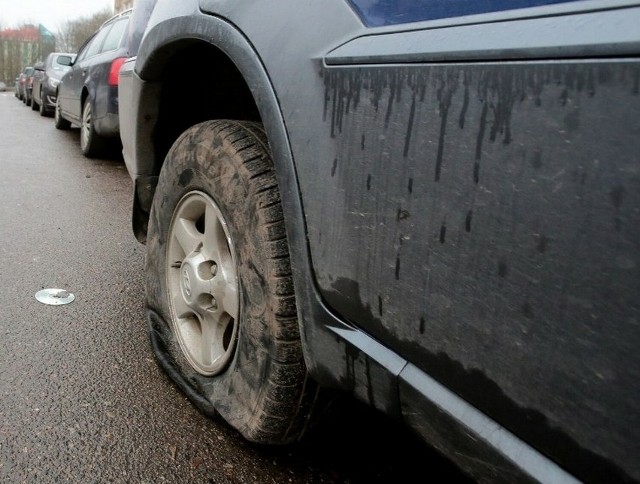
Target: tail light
(115,70)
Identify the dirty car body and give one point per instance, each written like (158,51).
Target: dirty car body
(461,191)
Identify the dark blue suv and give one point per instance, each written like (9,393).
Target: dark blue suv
(433,206)
(87,95)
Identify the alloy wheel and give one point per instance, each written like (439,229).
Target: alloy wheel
(86,127)
(202,283)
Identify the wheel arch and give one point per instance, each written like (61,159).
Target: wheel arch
(83,99)
(230,77)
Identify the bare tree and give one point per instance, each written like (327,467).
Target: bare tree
(73,33)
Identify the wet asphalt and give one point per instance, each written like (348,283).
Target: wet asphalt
(81,397)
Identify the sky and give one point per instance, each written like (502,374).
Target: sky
(50,13)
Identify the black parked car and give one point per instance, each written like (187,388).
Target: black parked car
(431,205)
(46,79)
(87,95)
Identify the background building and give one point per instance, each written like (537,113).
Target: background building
(22,47)
(26,45)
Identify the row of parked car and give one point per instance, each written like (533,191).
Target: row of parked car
(37,85)
(432,206)
(81,89)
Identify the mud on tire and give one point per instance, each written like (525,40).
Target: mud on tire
(259,385)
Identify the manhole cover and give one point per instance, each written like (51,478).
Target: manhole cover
(54,297)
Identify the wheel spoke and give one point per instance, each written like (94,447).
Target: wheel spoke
(217,246)
(180,305)
(215,239)
(210,342)
(187,235)
(230,300)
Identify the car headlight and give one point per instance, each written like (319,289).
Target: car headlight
(53,83)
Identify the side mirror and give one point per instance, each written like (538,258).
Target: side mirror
(65,60)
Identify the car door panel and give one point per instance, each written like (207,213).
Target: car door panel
(80,76)
(490,233)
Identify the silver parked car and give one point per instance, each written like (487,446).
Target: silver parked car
(432,206)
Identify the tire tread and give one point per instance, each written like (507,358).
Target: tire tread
(286,394)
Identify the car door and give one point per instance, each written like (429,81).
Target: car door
(75,80)
(484,189)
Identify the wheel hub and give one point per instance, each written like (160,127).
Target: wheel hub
(197,285)
(186,283)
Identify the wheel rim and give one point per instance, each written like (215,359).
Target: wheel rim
(85,131)
(202,283)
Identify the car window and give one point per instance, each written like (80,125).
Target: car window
(114,38)
(97,41)
(82,53)
(376,13)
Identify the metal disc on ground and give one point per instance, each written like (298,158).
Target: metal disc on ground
(54,297)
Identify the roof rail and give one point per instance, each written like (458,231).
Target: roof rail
(121,14)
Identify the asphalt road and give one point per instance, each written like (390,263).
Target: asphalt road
(81,397)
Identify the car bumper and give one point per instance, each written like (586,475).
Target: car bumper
(137,120)
(48,98)
(107,126)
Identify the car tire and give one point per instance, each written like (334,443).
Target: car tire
(58,120)
(91,143)
(27,100)
(222,309)
(34,105)
(43,111)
